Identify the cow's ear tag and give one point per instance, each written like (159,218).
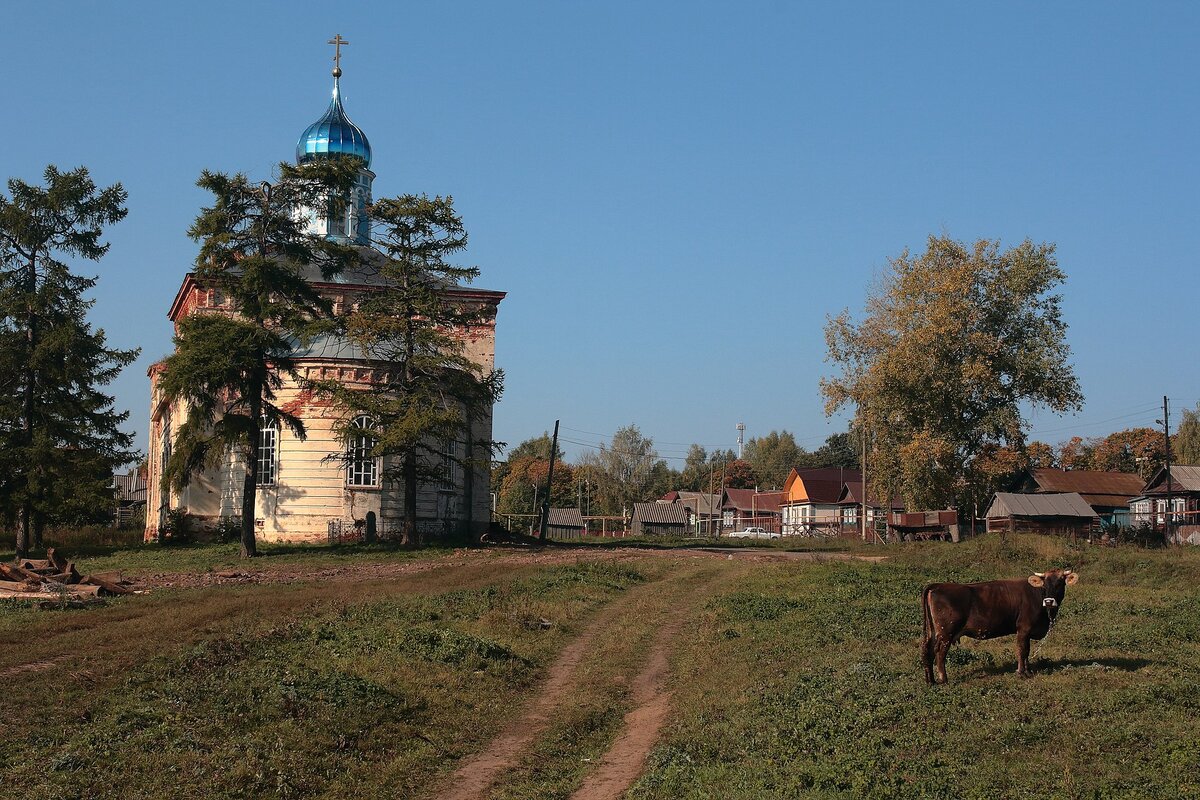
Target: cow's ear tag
(1036,580)
(1072,579)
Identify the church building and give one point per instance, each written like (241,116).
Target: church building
(322,488)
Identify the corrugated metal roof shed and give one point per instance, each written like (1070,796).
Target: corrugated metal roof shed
(660,513)
(1067,504)
(565,518)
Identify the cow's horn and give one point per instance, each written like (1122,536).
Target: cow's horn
(1067,571)
(1040,574)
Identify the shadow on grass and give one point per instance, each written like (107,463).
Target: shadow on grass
(1049,666)
(1120,664)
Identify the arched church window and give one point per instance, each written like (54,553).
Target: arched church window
(268,452)
(363,467)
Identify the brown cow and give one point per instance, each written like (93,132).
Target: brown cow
(987,610)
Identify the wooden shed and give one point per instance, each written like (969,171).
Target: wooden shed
(564,523)
(1065,513)
(659,519)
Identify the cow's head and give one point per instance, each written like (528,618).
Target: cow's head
(1053,585)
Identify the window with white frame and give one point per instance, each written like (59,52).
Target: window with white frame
(268,452)
(363,467)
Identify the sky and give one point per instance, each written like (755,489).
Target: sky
(674,195)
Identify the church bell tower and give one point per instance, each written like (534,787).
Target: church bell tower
(335,134)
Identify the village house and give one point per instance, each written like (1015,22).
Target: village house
(850,501)
(1108,493)
(322,486)
(744,508)
(1149,507)
(810,500)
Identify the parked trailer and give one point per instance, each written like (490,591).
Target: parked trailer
(923,525)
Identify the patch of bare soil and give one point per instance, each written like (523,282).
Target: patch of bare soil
(31,666)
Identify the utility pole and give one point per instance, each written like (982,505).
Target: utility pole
(1166,421)
(708,528)
(722,487)
(549,483)
(863,433)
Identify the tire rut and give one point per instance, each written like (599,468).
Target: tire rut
(624,761)
(651,696)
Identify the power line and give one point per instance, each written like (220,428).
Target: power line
(606,436)
(1141,413)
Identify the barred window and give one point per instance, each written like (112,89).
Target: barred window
(165,452)
(451,469)
(268,446)
(363,468)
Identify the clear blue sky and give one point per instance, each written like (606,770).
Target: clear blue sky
(674,195)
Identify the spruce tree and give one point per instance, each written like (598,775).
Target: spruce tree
(57,427)
(427,391)
(255,247)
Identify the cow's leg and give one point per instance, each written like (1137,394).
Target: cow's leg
(943,646)
(1023,653)
(927,656)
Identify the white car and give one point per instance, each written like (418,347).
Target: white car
(753,533)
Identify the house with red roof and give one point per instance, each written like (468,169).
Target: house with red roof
(1108,493)
(744,508)
(810,498)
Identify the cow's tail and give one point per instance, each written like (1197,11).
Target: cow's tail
(927,639)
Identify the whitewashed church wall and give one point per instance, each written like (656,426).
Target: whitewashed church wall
(311,488)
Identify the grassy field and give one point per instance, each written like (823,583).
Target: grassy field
(793,678)
(805,682)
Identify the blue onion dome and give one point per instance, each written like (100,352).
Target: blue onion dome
(333,133)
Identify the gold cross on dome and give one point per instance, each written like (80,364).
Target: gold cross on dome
(337,41)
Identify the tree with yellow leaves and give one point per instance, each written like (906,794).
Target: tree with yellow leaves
(955,344)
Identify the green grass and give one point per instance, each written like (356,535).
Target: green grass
(792,679)
(343,691)
(140,559)
(805,682)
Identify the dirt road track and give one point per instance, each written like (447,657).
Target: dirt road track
(649,694)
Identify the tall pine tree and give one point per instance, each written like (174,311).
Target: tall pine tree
(428,393)
(56,424)
(256,248)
